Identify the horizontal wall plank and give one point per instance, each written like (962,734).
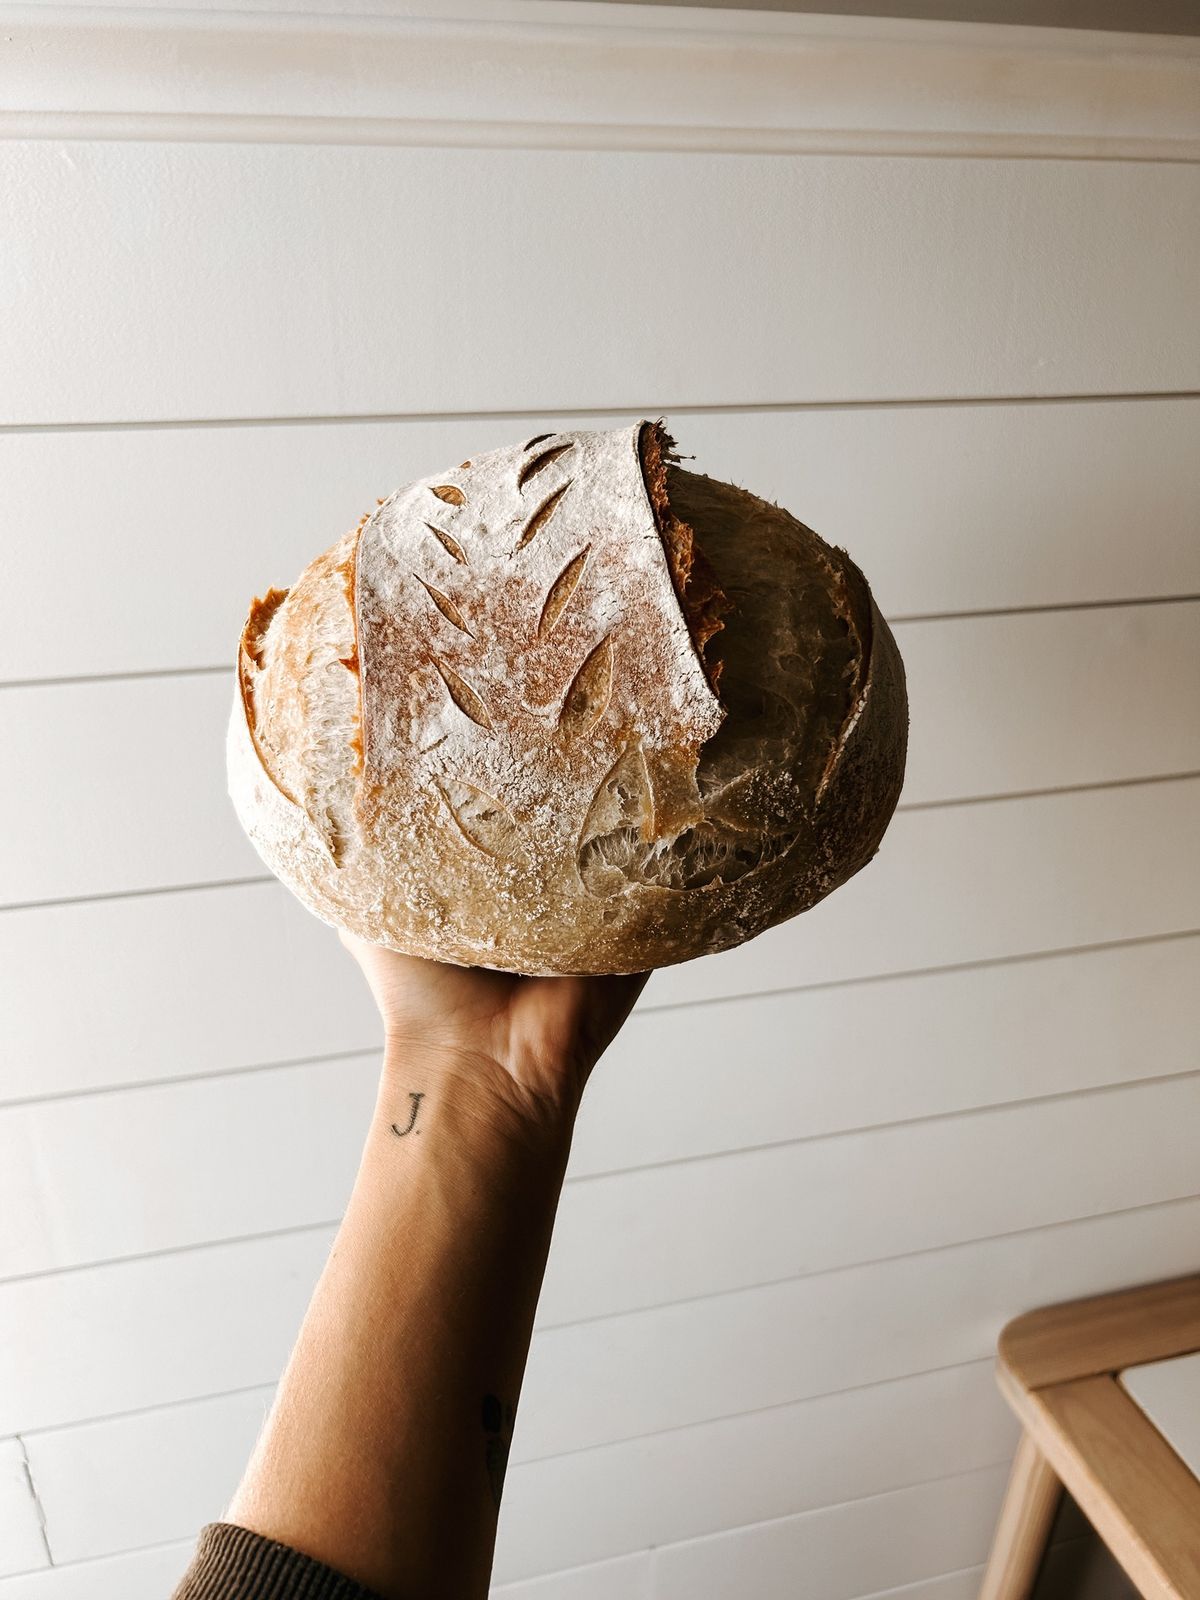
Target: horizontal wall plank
(132,792)
(222,1157)
(1004,704)
(945,508)
(646,1370)
(674,1086)
(756,1070)
(672,1486)
(964,884)
(904,1047)
(74,1176)
(601,79)
(725,1222)
(22,1547)
(157,1474)
(144,1479)
(117,1338)
(843,1551)
(962,1584)
(812,278)
(144,971)
(627,1576)
(138,1575)
(180,1326)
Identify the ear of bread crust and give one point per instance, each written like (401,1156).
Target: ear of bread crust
(702,601)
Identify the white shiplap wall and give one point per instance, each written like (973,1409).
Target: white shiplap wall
(932,288)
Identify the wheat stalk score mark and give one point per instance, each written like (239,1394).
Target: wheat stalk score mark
(449,545)
(587,699)
(483,821)
(450,493)
(561,591)
(541,460)
(464,697)
(541,516)
(445,605)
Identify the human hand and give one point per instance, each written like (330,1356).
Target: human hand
(526,1044)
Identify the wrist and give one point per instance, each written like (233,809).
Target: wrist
(490,1112)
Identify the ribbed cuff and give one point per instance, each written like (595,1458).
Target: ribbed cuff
(233,1563)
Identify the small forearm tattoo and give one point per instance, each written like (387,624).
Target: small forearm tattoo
(498,1425)
(416,1106)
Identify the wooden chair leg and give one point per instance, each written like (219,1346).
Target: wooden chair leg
(1024,1526)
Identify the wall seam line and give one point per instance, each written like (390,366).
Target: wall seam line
(540,413)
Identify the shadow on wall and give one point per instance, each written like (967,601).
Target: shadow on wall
(1126,16)
(1078,1564)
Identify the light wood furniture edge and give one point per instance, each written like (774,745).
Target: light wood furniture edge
(1057,1368)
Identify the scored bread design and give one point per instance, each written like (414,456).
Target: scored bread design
(568,707)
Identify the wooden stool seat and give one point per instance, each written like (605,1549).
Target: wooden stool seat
(1076,1374)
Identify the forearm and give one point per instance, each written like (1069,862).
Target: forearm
(382,1455)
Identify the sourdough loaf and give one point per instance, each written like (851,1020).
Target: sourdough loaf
(568,708)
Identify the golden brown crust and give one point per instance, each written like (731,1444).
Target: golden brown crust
(300,712)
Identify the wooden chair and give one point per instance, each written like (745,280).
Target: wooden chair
(1071,1373)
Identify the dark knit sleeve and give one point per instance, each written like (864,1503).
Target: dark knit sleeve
(233,1563)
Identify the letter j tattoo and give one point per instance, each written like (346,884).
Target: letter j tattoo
(416,1106)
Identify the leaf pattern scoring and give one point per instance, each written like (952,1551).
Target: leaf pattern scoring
(444,604)
(541,516)
(541,460)
(482,820)
(449,545)
(450,493)
(591,689)
(560,592)
(464,697)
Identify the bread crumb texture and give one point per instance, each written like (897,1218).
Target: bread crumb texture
(568,707)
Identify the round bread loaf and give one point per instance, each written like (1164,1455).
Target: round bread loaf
(568,708)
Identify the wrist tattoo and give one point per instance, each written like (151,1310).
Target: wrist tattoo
(416,1106)
(498,1425)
